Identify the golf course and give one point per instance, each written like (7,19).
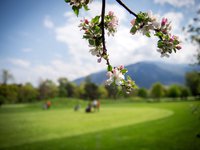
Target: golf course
(119,124)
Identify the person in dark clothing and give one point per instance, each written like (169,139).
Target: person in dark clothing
(89,108)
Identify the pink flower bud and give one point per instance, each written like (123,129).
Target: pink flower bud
(172,38)
(178,47)
(110,13)
(86,21)
(121,67)
(133,22)
(164,21)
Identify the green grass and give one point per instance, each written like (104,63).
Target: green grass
(118,125)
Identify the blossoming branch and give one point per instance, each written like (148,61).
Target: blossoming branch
(147,22)
(94,32)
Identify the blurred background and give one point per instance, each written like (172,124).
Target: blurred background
(45,63)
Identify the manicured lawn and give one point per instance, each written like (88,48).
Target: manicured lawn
(121,125)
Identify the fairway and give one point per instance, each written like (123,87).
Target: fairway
(35,126)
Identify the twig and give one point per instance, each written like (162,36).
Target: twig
(128,9)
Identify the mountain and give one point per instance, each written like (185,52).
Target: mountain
(147,73)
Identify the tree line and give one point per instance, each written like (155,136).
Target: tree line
(47,89)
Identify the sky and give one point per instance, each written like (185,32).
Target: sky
(41,40)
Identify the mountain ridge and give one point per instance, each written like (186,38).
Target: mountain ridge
(147,73)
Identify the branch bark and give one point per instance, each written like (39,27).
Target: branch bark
(103,25)
(128,9)
(103,30)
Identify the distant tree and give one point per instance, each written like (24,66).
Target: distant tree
(47,89)
(91,89)
(185,92)
(80,91)
(174,91)
(193,82)
(27,93)
(157,91)
(70,87)
(62,87)
(3,93)
(142,92)
(112,91)
(9,93)
(6,76)
(103,93)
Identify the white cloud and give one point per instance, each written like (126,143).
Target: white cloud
(19,62)
(54,70)
(26,50)
(176,18)
(48,23)
(176,3)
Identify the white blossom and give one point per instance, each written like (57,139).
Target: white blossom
(115,76)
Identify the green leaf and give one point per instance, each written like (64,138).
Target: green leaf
(176,42)
(76,10)
(95,20)
(98,42)
(91,42)
(123,71)
(97,30)
(133,30)
(67,1)
(160,44)
(134,85)
(86,7)
(159,34)
(141,17)
(129,78)
(174,50)
(148,34)
(86,36)
(109,68)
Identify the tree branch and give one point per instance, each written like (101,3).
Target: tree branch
(123,5)
(103,30)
